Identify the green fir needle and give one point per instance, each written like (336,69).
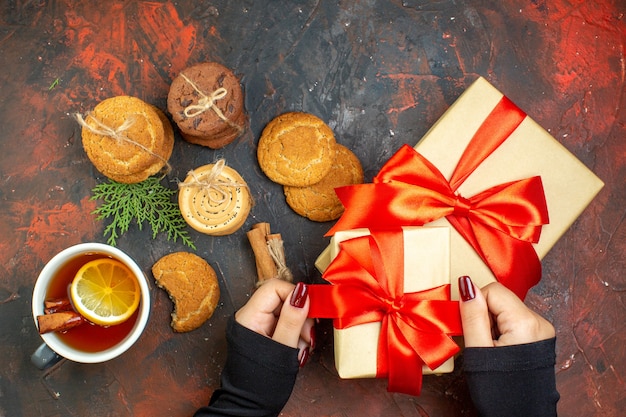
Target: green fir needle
(146,201)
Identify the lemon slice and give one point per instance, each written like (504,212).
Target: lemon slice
(105,292)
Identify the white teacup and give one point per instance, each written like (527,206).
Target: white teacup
(53,341)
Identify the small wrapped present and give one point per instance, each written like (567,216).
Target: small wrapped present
(506,187)
(390,298)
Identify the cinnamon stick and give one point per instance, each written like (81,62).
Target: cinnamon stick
(55,305)
(266,269)
(273,236)
(264,226)
(59,322)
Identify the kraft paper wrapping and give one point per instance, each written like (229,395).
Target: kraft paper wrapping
(530,150)
(426,265)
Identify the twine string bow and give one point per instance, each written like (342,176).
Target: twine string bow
(214,183)
(207,102)
(276,250)
(99,128)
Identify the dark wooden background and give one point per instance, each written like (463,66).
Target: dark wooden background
(379,73)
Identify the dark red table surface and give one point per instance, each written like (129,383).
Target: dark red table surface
(380,74)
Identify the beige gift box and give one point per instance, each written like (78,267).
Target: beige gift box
(426,265)
(529,151)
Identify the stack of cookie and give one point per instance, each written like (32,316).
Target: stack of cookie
(299,151)
(127,139)
(214,199)
(206,103)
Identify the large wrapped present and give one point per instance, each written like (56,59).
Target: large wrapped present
(505,187)
(390,301)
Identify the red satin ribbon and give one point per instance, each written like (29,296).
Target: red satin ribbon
(500,223)
(368,286)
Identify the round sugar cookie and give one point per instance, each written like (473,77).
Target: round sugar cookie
(192,285)
(214,199)
(296,149)
(135,146)
(319,202)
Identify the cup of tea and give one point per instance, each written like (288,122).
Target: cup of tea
(86,342)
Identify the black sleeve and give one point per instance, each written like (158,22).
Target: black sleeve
(513,380)
(258,376)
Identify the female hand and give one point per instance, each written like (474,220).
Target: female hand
(267,313)
(494,316)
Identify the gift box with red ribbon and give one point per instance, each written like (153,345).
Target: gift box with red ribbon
(503,185)
(390,301)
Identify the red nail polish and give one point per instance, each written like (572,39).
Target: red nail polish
(313,337)
(298,298)
(305,357)
(466,288)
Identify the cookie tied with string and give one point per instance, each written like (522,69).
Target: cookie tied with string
(207,104)
(214,199)
(127,139)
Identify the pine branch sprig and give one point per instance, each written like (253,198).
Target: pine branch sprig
(144,202)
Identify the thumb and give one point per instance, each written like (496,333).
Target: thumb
(474,315)
(292,317)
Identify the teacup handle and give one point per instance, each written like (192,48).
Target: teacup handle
(44,357)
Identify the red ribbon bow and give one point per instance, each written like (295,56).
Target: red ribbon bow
(368,278)
(500,223)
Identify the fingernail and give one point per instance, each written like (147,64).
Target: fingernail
(298,298)
(304,357)
(313,337)
(466,288)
